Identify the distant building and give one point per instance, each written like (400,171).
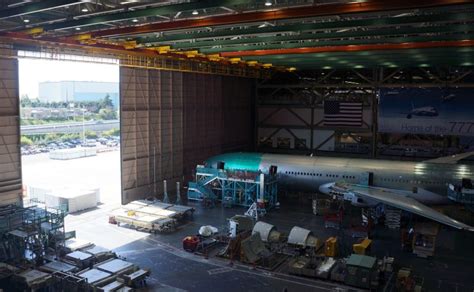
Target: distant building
(74,91)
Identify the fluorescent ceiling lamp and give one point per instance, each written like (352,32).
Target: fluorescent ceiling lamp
(268,3)
(265,24)
(195,12)
(128,2)
(19,3)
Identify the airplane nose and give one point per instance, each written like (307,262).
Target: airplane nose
(326,188)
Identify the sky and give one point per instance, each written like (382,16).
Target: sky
(34,71)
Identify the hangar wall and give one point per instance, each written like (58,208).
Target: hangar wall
(10,159)
(290,112)
(171,121)
(299,124)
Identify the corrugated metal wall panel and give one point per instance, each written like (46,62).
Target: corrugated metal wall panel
(184,119)
(134,117)
(10,158)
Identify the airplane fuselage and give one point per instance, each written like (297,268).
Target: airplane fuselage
(304,173)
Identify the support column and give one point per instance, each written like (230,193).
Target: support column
(10,157)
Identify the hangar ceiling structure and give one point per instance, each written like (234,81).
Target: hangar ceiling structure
(287,34)
(356,45)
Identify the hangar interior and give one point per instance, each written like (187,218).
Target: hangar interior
(203,78)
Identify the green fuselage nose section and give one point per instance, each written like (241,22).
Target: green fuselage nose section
(237,161)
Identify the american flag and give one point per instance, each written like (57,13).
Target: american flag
(342,114)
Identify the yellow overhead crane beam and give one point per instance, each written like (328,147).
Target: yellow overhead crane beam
(217,57)
(163,49)
(83,37)
(130,45)
(34,31)
(191,54)
(132,55)
(234,60)
(214,57)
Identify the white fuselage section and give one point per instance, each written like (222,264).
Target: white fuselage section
(305,173)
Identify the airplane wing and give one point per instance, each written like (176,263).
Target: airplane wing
(391,198)
(452,159)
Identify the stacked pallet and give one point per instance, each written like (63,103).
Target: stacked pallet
(86,267)
(151,216)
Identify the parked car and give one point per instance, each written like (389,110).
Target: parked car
(102,141)
(76,141)
(89,144)
(112,143)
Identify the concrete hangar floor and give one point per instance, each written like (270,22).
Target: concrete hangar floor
(173,269)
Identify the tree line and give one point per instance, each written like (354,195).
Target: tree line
(102,109)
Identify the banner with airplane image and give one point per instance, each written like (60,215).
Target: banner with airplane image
(431,111)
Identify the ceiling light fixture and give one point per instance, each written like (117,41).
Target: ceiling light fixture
(268,3)
(19,3)
(134,20)
(195,12)
(78,28)
(84,9)
(266,24)
(26,20)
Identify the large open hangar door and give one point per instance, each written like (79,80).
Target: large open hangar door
(171,121)
(10,160)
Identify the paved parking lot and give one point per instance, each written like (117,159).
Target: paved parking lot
(101,171)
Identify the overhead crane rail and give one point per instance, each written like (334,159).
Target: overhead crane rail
(146,60)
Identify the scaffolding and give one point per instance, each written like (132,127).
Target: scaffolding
(28,232)
(234,187)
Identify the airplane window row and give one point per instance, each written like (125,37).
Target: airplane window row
(318,174)
(303,173)
(353,177)
(411,181)
(396,180)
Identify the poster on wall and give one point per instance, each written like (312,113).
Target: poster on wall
(431,111)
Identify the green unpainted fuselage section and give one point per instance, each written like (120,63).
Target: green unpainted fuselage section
(237,161)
